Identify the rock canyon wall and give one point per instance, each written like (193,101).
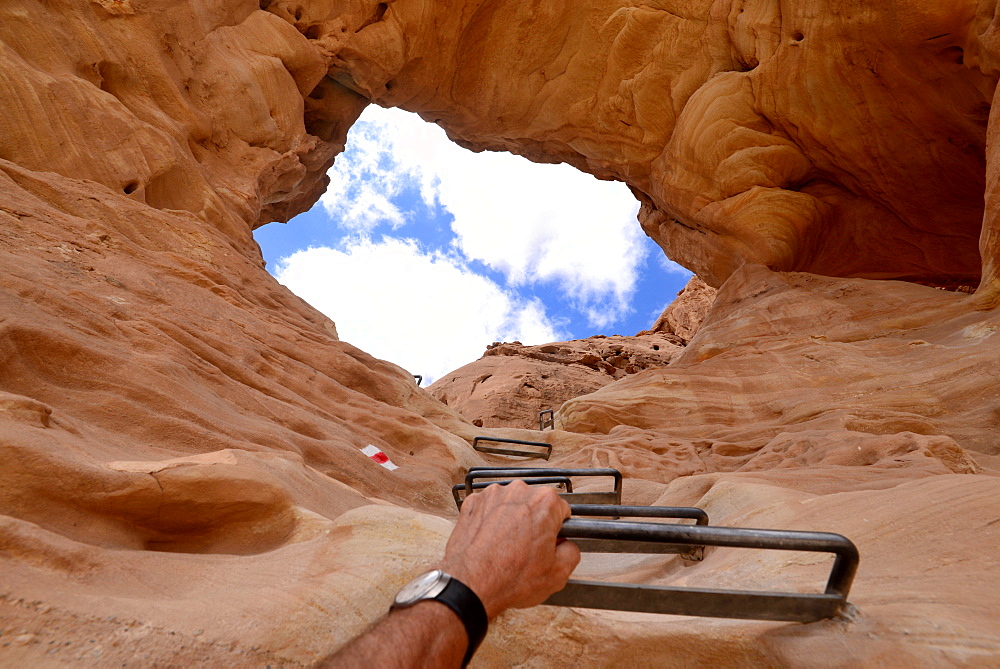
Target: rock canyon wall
(181,481)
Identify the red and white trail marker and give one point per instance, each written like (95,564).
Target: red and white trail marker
(378,456)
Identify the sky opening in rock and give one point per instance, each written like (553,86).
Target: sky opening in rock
(423,252)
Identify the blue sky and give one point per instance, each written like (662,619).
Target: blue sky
(423,252)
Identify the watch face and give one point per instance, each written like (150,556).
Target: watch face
(422,587)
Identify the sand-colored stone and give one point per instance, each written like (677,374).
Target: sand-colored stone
(841,372)
(511,383)
(800,137)
(687,312)
(181,483)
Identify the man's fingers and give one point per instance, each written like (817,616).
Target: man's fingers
(565,508)
(505,544)
(567,558)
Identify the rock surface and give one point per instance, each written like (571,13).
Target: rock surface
(802,137)
(687,312)
(181,481)
(512,383)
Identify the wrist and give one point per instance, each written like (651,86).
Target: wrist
(449,590)
(480,584)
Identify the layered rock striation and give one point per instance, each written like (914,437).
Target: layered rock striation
(182,481)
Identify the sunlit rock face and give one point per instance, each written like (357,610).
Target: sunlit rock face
(798,137)
(181,479)
(172,420)
(143,98)
(512,383)
(987,26)
(687,312)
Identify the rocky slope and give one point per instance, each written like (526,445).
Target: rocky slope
(687,312)
(512,383)
(181,480)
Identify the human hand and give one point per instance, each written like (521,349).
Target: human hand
(505,546)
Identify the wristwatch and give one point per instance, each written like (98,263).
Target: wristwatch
(454,594)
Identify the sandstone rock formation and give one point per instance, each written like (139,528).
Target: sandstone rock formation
(512,383)
(685,314)
(181,481)
(799,137)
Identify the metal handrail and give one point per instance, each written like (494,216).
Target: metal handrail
(524,472)
(802,607)
(689,512)
(559,480)
(508,451)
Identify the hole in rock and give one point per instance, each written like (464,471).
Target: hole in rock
(312,32)
(205,509)
(955,54)
(243,528)
(130,187)
(798,36)
(457,249)
(114,78)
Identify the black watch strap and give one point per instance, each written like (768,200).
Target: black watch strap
(469,608)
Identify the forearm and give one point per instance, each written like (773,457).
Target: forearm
(505,549)
(426,634)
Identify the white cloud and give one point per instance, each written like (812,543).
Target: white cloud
(364,181)
(532,222)
(426,312)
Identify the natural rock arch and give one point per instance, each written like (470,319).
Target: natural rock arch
(159,390)
(747,135)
